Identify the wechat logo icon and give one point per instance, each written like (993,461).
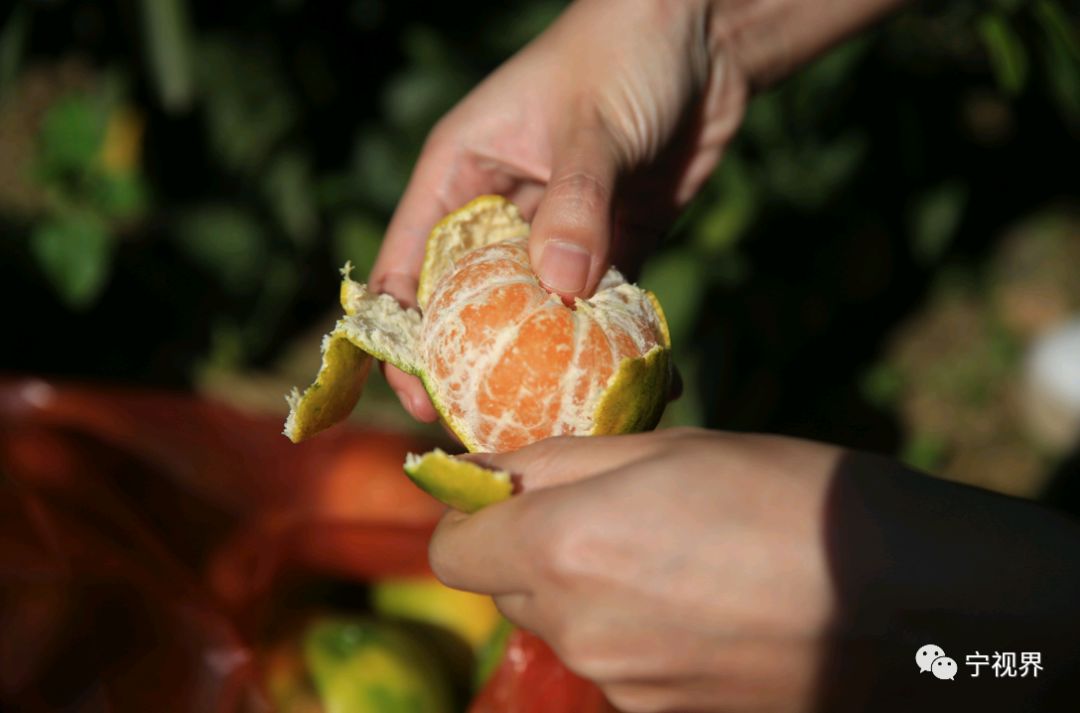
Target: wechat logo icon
(931,658)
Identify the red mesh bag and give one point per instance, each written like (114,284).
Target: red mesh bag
(144,535)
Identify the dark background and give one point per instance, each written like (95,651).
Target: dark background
(179,182)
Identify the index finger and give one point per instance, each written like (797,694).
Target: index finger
(397,267)
(496,550)
(490,551)
(564,459)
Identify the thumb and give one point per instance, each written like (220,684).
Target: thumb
(566,459)
(570,242)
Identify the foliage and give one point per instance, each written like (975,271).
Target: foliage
(262,144)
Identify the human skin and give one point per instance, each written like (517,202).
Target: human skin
(689,570)
(601,129)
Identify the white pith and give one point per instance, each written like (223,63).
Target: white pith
(469,345)
(480,223)
(613,308)
(381,326)
(413,461)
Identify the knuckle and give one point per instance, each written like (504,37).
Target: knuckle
(630,698)
(564,554)
(683,433)
(547,455)
(580,190)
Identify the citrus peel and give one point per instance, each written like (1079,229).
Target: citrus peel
(461,484)
(505,362)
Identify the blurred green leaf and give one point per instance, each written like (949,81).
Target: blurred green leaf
(414,100)
(357,239)
(120,196)
(277,288)
(290,195)
(425,46)
(381,168)
(70,137)
(248,108)
(227,242)
(367,14)
(925,452)
(764,120)
(513,29)
(73,251)
(688,409)
(12,42)
(935,217)
(227,350)
(730,212)
(167,39)
(882,385)
(819,85)
(1061,52)
(730,270)
(491,653)
(811,174)
(1056,24)
(429,86)
(1006,52)
(676,277)
(335,191)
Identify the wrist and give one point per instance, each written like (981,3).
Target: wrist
(768,39)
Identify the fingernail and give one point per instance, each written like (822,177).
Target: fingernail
(564,267)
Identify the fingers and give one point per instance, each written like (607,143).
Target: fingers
(495,550)
(565,459)
(412,394)
(397,268)
(483,553)
(570,243)
(401,254)
(410,391)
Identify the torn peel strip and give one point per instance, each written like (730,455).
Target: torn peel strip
(462,484)
(376,326)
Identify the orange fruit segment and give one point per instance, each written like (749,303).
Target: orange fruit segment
(505,362)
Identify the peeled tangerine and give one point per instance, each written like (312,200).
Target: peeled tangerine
(505,362)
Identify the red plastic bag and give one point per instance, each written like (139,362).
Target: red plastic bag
(143,536)
(531,679)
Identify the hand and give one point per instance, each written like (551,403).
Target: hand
(673,568)
(689,570)
(600,130)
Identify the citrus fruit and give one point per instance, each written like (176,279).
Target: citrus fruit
(505,362)
(362,665)
(473,617)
